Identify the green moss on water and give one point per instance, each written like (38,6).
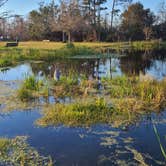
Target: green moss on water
(17,152)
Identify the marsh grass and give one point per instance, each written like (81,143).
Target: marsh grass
(129,98)
(77,114)
(29,88)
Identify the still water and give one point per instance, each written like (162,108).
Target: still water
(100,144)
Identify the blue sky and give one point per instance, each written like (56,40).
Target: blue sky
(23,7)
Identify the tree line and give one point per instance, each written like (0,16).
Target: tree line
(86,20)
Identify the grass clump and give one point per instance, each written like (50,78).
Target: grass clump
(67,86)
(5,62)
(30,85)
(147,94)
(17,152)
(77,114)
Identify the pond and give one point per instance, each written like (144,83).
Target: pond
(99,144)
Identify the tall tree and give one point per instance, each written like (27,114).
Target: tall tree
(162,12)
(115,8)
(36,28)
(18,29)
(134,20)
(70,18)
(93,9)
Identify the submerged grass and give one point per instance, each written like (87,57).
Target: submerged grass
(17,152)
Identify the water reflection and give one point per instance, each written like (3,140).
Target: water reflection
(153,64)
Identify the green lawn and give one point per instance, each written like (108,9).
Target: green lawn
(57,45)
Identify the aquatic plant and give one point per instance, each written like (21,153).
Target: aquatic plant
(24,94)
(30,85)
(77,114)
(17,152)
(159,141)
(130,97)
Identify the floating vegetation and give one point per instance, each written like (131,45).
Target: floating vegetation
(17,152)
(137,156)
(123,151)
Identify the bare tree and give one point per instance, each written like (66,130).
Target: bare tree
(2,2)
(3,14)
(70,18)
(148,32)
(162,12)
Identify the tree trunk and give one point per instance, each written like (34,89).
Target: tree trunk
(112,14)
(63,36)
(69,37)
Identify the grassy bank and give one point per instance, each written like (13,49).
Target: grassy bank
(10,56)
(123,101)
(49,51)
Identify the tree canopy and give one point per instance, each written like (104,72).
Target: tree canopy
(87,20)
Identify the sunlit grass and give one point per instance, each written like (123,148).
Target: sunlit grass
(77,114)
